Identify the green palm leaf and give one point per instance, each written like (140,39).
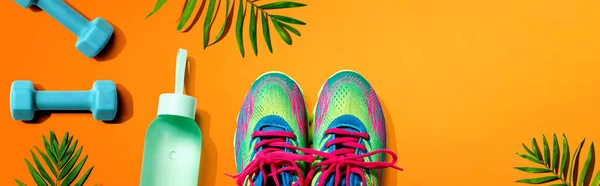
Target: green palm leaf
(266,33)
(596,180)
(281,4)
(574,161)
(539,180)
(253,16)
(554,174)
(41,169)
(19,183)
(586,165)
(187,12)
(527,150)
(559,184)
(239,27)
(281,31)
(533,169)
(67,168)
(34,174)
(565,157)
(50,151)
(283,24)
(555,153)
(290,28)
(288,19)
(59,158)
(546,151)
(278,21)
(536,150)
(69,179)
(208,20)
(84,177)
(535,160)
(63,146)
(68,155)
(47,161)
(158,5)
(226,20)
(54,144)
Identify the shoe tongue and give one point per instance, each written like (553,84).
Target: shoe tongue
(344,127)
(285,178)
(268,127)
(348,127)
(354,179)
(272,128)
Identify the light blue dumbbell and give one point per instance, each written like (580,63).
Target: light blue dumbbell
(101,100)
(92,36)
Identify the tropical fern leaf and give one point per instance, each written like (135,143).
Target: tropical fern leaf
(558,172)
(158,5)
(281,23)
(19,183)
(187,13)
(266,32)
(209,18)
(239,26)
(276,20)
(59,159)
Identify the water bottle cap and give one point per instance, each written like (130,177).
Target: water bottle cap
(178,103)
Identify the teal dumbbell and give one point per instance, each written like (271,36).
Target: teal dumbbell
(92,36)
(101,100)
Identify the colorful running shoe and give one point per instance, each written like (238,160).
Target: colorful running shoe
(271,127)
(349,133)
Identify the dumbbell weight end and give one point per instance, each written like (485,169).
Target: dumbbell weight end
(92,36)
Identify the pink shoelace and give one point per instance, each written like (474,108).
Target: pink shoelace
(344,161)
(273,156)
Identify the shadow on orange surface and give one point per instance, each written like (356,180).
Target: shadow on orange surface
(35,8)
(209,157)
(590,171)
(228,23)
(390,175)
(114,46)
(196,18)
(125,107)
(190,77)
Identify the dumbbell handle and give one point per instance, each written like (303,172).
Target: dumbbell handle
(63,100)
(64,14)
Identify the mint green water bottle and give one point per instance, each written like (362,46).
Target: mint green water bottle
(173,141)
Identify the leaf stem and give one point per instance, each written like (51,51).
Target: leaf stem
(552,171)
(561,178)
(257,7)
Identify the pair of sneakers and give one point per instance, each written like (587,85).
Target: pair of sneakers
(348,134)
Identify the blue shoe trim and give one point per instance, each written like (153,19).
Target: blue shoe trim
(273,122)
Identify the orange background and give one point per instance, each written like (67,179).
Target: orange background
(463,82)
